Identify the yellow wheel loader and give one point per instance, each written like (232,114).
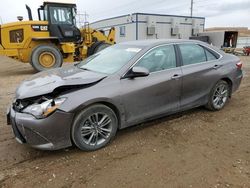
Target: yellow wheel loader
(52,40)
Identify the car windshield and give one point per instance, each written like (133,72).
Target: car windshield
(109,60)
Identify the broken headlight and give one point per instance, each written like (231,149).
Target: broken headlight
(45,108)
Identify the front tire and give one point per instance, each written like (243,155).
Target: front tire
(94,127)
(45,57)
(218,96)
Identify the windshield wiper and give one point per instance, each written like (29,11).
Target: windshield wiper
(84,68)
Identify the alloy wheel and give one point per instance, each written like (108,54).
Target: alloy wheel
(220,96)
(96,129)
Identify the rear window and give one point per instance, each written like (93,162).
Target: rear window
(195,53)
(192,54)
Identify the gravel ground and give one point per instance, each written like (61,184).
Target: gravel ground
(197,148)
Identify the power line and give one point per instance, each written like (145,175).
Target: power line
(135,4)
(122,8)
(201,1)
(206,5)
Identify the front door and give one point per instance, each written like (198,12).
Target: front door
(156,94)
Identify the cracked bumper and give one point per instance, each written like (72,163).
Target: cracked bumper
(51,133)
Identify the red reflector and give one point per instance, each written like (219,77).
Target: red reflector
(239,65)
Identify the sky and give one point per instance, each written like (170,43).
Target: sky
(218,13)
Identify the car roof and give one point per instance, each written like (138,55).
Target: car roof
(152,42)
(149,43)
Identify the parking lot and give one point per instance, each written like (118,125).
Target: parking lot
(197,148)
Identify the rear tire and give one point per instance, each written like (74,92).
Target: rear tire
(218,96)
(94,127)
(45,57)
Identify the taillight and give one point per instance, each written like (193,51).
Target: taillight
(239,65)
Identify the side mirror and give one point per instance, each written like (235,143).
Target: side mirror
(137,72)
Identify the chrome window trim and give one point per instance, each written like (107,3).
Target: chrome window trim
(213,51)
(203,62)
(173,43)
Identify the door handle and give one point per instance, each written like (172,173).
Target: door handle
(176,77)
(216,66)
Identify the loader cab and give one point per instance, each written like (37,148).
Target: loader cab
(62,21)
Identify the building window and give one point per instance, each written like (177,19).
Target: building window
(122,31)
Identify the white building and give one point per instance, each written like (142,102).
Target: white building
(139,26)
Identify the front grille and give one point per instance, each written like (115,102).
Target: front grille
(34,137)
(17,132)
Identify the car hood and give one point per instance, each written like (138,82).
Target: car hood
(46,82)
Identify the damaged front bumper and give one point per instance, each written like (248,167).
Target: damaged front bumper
(51,133)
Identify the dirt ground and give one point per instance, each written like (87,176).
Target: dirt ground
(197,148)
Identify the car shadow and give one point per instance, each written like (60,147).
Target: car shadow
(139,127)
(155,122)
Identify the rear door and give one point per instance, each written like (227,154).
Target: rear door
(200,71)
(156,94)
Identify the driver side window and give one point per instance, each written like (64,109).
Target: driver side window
(160,58)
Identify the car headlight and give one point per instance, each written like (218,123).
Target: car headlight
(45,108)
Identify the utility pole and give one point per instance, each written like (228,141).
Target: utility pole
(192,6)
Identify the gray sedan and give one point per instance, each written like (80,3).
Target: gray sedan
(126,84)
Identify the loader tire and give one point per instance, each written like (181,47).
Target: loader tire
(97,47)
(45,57)
(101,47)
